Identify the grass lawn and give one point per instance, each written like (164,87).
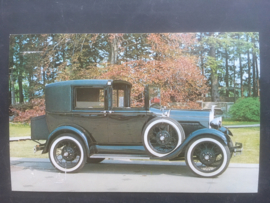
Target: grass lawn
(19,130)
(249,137)
(25,149)
(228,122)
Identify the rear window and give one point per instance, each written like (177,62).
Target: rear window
(89,98)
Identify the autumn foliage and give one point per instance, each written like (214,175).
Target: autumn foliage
(24,112)
(178,76)
(167,65)
(161,59)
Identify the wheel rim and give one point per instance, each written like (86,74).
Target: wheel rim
(207,157)
(198,166)
(66,154)
(162,138)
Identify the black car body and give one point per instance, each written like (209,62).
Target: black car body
(89,120)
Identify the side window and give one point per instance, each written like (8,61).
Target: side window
(87,98)
(118,98)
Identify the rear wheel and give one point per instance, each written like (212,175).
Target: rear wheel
(67,153)
(161,136)
(207,156)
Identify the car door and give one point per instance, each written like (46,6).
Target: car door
(90,105)
(124,123)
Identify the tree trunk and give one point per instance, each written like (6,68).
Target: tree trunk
(214,78)
(253,76)
(30,85)
(241,74)
(44,77)
(249,78)
(13,100)
(201,55)
(113,51)
(20,87)
(254,69)
(21,97)
(257,78)
(227,73)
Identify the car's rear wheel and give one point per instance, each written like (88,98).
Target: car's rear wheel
(67,153)
(94,160)
(207,156)
(162,135)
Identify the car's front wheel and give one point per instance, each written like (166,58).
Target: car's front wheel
(207,156)
(67,153)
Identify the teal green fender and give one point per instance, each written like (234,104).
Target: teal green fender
(77,130)
(205,131)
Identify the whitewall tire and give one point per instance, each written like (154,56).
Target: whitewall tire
(67,153)
(207,156)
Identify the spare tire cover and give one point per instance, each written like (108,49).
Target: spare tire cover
(162,135)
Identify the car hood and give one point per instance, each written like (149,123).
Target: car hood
(200,116)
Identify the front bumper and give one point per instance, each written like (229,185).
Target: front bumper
(237,148)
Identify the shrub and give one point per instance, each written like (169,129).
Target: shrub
(246,109)
(24,113)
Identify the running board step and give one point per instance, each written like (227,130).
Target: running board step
(120,156)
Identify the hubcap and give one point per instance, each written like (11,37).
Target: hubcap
(68,153)
(163,137)
(207,156)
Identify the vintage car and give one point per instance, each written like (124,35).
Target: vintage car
(90,120)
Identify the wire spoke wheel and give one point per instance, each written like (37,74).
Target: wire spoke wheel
(67,153)
(162,138)
(207,157)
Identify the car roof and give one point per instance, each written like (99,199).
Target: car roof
(87,82)
(59,95)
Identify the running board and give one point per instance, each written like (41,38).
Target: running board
(120,156)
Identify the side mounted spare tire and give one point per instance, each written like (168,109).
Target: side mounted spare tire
(162,135)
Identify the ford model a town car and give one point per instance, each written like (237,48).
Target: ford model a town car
(90,120)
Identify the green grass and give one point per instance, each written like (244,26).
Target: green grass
(229,122)
(250,138)
(19,130)
(25,149)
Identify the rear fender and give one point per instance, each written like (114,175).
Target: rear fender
(81,133)
(201,132)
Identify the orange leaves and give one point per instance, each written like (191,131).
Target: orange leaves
(166,64)
(25,112)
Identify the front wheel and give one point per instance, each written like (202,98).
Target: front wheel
(207,156)
(67,153)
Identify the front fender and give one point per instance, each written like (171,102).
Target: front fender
(62,129)
(204,131)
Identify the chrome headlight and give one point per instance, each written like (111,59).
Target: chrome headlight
(216,123)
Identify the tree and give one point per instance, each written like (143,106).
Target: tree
(177,74)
